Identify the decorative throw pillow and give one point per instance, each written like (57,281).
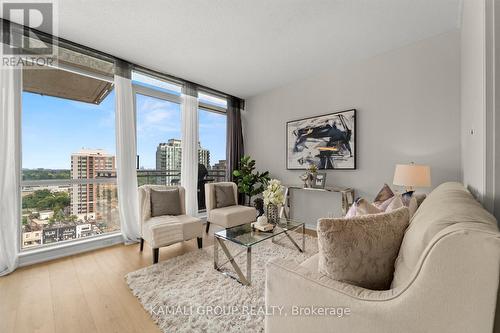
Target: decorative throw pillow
(382,199)
(362,207)
(362,250)
(224,196)
(165,202)
(396,202)
(406,200)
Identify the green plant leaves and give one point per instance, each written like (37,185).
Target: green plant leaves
(249,182)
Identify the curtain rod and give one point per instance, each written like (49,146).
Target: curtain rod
(65,43)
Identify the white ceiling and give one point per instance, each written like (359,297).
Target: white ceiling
(245,47)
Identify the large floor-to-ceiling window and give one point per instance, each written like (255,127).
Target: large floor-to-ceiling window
(158,124)
(158,114)
(68,182)
(212,135)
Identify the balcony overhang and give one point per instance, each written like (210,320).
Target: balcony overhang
(65,84)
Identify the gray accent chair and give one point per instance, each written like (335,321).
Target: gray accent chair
(160,231)
(229,216)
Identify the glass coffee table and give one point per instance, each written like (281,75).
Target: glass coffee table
(247,237)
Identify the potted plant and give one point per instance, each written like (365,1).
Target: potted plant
(249,181)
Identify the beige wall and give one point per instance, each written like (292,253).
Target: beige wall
(408,103)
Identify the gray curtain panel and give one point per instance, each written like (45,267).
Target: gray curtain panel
(234,142)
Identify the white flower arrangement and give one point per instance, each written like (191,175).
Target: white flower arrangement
(273,193)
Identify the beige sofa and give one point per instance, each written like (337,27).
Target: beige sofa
(446,278)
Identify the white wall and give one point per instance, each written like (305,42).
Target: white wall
(408,106)
(496,114)
(473,116)
(478,100)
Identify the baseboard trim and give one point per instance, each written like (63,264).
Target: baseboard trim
(36,256)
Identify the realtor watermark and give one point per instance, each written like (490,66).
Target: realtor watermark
(27,32)
(250,311)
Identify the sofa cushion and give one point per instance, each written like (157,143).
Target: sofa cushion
(165,202)
(232,216)
(362,250)
(224,196)
(449,204)
(165,230)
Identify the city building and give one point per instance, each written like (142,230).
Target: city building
(46,214)
(203,156)
(83,230)
(169,157)
(89,164)
(221,165)
(32,238)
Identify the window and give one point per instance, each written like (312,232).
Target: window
(68,182)
(158,116)
(212,135)
(150,82)
(158,141)
(212,151)
(208,101)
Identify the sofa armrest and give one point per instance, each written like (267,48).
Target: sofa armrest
(454,290)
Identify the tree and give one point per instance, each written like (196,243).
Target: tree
(249,182)
(46,200)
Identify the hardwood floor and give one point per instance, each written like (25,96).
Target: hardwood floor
(82,293)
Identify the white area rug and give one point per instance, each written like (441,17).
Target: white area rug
(186,294)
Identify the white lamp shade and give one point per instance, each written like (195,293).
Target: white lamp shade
(412,175)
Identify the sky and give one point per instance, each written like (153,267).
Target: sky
(54,128)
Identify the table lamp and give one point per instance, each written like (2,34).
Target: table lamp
(412,175)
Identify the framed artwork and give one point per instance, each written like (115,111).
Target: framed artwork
(319,180)
(328,141)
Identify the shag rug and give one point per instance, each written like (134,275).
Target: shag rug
(186,293)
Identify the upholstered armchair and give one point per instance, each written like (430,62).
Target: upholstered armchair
(226,216)
(164,230)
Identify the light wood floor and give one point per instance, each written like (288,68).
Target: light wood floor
(81,293)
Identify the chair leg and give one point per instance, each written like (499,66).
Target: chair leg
(142,244)
(208,227)
(156,255)
(200,242)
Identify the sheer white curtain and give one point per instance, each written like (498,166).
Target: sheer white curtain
(126,149)
(10,111)
(189,145)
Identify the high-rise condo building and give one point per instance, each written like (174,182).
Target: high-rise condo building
(89,164)
(169,157)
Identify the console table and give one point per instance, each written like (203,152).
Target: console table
(347,194)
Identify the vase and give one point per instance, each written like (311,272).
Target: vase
(310,179)
(272,214)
